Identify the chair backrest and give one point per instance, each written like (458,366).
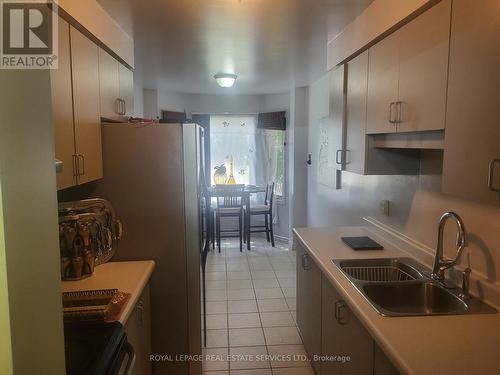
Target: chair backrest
(269,194)
(229,196)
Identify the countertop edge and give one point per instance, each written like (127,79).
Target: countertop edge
(126,276)
(135,295)
(344,287)
(480,332)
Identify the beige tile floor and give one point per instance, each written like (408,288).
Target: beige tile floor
(251,318)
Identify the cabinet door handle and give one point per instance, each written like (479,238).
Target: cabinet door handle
(120,106)
(338,159)
(140,313)
(82,157)
(341,157)
(75,166)
(491,175)
(124,107)
(339,308)
(399,112)
(117,106)
(305,262)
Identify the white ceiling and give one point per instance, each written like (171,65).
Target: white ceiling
(270,44)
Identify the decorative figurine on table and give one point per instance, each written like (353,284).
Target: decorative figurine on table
(220,176)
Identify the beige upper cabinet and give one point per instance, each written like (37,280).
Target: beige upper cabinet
(116,85)
(62,111)
(338,81)
(89,85)
(472,137)
(383,76)
(407,76)
(87,121)
(126,89)
(355,149)
(423,70)
(360,155)
(109,85)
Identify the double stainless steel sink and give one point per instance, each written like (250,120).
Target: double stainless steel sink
(403,287)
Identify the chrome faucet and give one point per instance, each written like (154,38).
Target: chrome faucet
(440,263)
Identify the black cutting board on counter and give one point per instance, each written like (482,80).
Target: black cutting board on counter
(362,243)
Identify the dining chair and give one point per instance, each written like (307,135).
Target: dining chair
(230,200)
(265,210)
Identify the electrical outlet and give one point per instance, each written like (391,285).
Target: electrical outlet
(385,206)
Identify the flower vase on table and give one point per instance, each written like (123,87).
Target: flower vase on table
(231,180)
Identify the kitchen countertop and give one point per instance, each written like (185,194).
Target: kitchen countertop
(453,344)
(128,277)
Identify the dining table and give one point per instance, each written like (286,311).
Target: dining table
(248,190)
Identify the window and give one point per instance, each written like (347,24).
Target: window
(258,154)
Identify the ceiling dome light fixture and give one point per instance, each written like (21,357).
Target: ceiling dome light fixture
(225,79)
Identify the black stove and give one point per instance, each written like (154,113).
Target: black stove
(96,348)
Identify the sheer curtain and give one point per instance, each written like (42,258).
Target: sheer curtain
(257,153)
(235,136)
(258,156)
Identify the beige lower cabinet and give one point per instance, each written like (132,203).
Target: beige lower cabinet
(343,336)
(138,328)
(334,338)
(309,304)
(381,364)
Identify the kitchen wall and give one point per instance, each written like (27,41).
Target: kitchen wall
(297,156)
(416,203)
(138,98)
(156,100)
(150,103)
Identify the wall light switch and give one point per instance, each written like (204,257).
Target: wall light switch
(385,206)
